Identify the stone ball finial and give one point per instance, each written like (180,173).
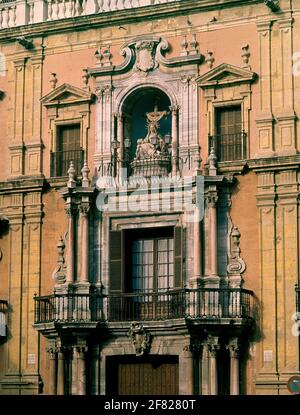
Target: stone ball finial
(85,174)
(72,175)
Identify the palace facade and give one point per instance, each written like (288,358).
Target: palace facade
(149,190)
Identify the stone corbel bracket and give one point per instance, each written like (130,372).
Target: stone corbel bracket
(176,61)
(128,54)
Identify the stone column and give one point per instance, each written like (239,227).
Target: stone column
(84,213)
(212,350)
(81,369)
(197,245)
(52,370)
(234,367)
(120,138)
(212,199)
(174,110)
(186,381)
(95,366)
(71,243)
(61,371)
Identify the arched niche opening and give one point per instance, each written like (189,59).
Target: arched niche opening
(146,132)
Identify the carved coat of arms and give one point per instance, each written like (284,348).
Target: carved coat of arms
(140,338)
(145,55)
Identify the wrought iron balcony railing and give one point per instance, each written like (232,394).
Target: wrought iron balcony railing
(191,304)
(229,147)
(60,162)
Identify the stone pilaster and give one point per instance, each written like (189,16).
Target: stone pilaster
(265,118)
(31,281)
(105,133)
(266,359)
(32,126)
(174,110)
(285,115)
(287,266)
(16,145)
(186,376)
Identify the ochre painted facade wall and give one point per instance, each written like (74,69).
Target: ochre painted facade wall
(264,199)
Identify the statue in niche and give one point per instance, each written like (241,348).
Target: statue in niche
(153,145)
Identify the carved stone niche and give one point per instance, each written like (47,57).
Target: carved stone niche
(67,105)
(140,338)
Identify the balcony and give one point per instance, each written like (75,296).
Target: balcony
(229,147)
(203,304)
(60,162)
(13,13)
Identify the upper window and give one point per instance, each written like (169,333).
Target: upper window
(68,149)
(229,141)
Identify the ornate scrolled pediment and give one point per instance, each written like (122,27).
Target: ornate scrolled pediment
(225,74)
(66,94)
(145,54)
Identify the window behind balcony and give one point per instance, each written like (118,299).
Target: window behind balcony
(229,141)
(152,264)
(68,149)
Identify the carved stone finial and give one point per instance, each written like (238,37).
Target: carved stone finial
(53,80)
(85,78)
(72,175)
(212,158)
(140,338)
(184,47)
(245,56)
(193,45)
(59,274)
(209,59)
(98,56)
(85,174)
(236,265)
(107,57)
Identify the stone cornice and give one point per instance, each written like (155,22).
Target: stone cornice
(22,185)
(119,17)
(274,163)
